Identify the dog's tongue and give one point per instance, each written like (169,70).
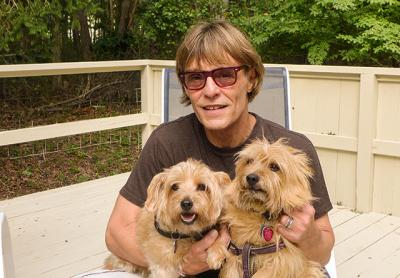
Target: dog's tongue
(188,217)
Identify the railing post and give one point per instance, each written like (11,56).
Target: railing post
(366,135)
(151,78)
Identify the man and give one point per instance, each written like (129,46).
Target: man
(220,73)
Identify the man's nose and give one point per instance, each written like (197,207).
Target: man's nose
(211,89)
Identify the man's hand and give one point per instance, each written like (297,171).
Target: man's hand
(314,237)
(302,228)
(195,261)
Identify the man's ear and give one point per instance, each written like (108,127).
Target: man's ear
(251,75)
(154,192)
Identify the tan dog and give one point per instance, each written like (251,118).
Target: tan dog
(184,202)
(271,180)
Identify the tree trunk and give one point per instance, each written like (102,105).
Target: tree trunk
(56,49)
(111,15)
(85,40)
(132,14)
(124,17)
(127,12)
(76,41)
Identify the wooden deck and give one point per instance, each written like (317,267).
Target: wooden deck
(60,233)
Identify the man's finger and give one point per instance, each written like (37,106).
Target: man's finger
(205,242)
(224,235)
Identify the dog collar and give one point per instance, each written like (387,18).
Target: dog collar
(177,235)
(249,250)
(172,235)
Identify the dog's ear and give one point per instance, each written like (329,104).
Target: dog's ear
(154,192)
(223,179)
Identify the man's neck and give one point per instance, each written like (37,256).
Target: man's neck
(234,136)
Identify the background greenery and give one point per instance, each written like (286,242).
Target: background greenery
(338,32)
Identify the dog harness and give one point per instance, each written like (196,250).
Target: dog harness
(177,235)
(249,250)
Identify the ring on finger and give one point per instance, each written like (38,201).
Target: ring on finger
(289,223)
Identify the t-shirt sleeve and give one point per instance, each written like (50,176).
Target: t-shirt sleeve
(152,160)
(322,204)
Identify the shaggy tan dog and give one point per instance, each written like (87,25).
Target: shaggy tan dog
(271,180)
(184,202)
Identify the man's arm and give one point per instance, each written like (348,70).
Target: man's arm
(314,237)
(121,232)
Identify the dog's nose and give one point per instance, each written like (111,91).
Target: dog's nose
(252,180)
(186,204)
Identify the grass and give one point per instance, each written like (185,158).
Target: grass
(72,164)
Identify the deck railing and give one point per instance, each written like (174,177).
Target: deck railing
(351,114)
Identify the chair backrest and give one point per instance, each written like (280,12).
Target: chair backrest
(6,257)
(273,101)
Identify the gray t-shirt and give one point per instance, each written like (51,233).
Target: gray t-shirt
(185,138)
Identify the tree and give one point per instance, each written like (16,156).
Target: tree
(127,13)
(355,32)
(351,32)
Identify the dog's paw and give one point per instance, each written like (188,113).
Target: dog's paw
(215,258)
(112,262)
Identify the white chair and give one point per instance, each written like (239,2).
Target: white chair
(331,266)
(273,103)
(6,257)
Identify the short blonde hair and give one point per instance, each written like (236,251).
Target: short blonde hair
(214,43)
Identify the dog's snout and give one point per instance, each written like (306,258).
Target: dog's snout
(186,204)
(252,179)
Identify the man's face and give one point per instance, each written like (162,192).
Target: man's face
(220,108)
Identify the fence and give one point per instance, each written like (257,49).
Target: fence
(351,115)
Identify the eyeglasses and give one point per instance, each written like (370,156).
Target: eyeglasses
(223,77)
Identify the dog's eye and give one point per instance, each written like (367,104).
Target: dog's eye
(249,161)
(274,167)
(201,187)
(175,187)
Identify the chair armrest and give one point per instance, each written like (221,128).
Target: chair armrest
(331,266)
(6,256)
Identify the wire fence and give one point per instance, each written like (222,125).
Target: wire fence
(51,163)
(127,136)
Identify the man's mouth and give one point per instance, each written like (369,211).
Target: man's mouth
(188,218)
(213,107)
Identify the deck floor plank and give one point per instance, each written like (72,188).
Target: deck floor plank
(360,241)
(341,216)
(61,197)
(357,224)
(61,229)
(381,259)
(60,233)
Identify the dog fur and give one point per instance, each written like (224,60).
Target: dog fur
(190,181)
(283,175)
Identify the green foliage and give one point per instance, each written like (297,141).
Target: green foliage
(355,32)
(352,32)
(25,29)
(376,41)
(159,27)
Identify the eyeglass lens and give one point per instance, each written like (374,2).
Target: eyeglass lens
(222,77)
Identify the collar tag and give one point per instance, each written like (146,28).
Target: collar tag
(266,232)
